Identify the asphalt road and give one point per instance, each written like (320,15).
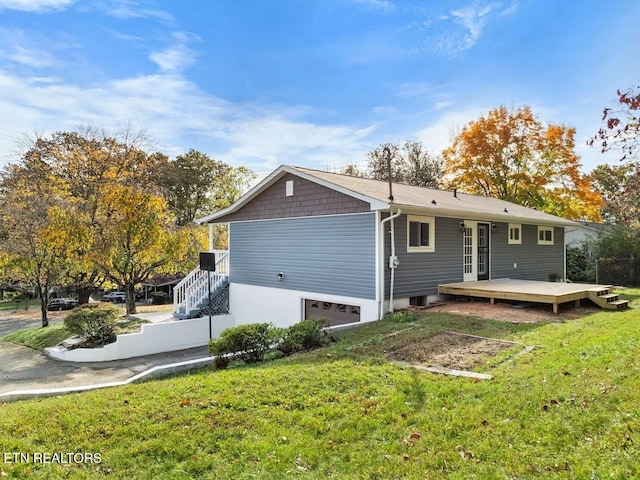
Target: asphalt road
(10,324)
(25,369)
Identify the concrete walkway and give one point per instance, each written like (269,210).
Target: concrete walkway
(27,373)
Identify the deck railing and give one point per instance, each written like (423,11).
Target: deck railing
(193,289)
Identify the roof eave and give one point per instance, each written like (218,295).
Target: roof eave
(435,211)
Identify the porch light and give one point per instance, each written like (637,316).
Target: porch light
(462,227)
(494,227)
(280,276)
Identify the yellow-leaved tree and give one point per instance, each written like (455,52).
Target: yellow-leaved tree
(511,155)
(29,198)
(136,237)
(84,207)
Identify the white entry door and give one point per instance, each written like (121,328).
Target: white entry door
(470,251)
(475,251)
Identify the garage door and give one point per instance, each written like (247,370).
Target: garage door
(335,313)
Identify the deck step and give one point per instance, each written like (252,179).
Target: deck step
(609,297)
(609,301)
(620,304)
(600,291)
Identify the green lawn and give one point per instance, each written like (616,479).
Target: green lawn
(39,338)
(568,409)
(10,305)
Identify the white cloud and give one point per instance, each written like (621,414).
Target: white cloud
(177,115)
(29,57)
(511,9)
(465,26)
(473,18)
(379,5)
(414,89)
(176,57)
(30,50)
(275,140)
(36,6)
(438,135)
(127,9)
(442,104)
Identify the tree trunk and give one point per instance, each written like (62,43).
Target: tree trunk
(84,292)
(130,298)
(43,291)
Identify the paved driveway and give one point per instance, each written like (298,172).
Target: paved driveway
(9,324)
(23,368)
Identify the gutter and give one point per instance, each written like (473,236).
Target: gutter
(393,260)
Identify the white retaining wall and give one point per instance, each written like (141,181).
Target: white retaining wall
(153,338)
(283,308)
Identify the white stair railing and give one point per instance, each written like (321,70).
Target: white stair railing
(193,289)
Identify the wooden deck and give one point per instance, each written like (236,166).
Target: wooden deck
(553,293)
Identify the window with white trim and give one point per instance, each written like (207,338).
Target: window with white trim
(515,234)
(545,235)
(420,234)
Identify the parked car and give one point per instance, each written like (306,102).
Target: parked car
(58,304)
(114,297)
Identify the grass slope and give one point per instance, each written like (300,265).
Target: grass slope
(569,409)
(39,338)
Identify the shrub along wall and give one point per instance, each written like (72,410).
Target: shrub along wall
(250,342)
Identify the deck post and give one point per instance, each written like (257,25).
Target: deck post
(555,308)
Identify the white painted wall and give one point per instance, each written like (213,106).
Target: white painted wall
(404,302)
(153,338)
(256,304)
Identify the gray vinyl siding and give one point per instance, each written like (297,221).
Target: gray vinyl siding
(534,262)
(420,273)
(327,254)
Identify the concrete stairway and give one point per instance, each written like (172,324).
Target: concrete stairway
(602,297)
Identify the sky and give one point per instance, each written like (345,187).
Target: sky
(310,83)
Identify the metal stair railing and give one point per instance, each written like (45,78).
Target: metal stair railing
(192,290)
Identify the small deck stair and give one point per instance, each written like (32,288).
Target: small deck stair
(602,297)
(191,295)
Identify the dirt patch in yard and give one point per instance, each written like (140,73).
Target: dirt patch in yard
(514,312)
(450,350)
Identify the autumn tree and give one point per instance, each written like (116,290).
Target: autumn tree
(29,199)
(198,185)
(135,238)
(85,164)
(621,131)
(619,186)
(411,164)
(104,212)
(511,155)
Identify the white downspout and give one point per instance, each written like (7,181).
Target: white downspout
(392,257)
(211,237)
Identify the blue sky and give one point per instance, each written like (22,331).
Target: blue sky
(311,83)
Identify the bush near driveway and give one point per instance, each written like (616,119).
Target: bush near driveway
(94,322)
(250,342)
(304,335)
